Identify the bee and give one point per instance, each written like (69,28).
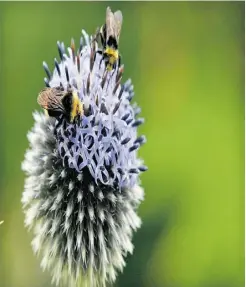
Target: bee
(56,101)
(109,35)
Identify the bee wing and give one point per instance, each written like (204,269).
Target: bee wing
(110,23)
(51,99)
(118,19)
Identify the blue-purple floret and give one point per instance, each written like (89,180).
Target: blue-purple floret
(105,141)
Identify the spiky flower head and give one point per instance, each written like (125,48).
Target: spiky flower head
(82,186)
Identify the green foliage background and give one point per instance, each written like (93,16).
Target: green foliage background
(186,60)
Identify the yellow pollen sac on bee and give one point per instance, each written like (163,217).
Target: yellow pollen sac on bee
(112,53)
(77,107)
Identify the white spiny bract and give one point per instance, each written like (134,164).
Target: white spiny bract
(82,184)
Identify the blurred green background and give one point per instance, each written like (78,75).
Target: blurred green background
(186,60)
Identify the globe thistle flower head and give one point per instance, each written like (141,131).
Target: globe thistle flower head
(82,186)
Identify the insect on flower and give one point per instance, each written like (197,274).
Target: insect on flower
(82,186)
(56,101)
(109,35)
